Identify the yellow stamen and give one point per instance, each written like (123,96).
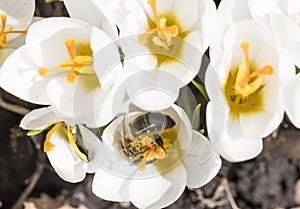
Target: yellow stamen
(3,33)
(48,146)
(76,64)
(71,134)
(244,86)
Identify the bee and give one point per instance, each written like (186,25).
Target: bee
(142,140)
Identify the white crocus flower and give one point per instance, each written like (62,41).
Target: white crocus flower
(150,157)
(281,16)
(66,63)
(165,35)
(245,91)
(72,151)
(95,12)
(15,17)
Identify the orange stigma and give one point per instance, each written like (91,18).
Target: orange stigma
(48,146)
(246,82)
(161,27)
(164,32)
(4,33)
(76,64)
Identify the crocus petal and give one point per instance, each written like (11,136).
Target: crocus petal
(187,64)
(175,190)
(156,84)
(233,149)
(107,63)
(202,162)
(135,23)
(49,34)
(284,29)
(73,100)
(28,84)
(295,53)
(121,8)
(145,192)
(19,14)
(64,160)
(187,14)
(292,100)
(104,111)
(96,13)
(239,149)
(95,149)
(110,187)
(39,119)
(263,7)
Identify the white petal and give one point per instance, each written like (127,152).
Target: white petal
(156,84)
(202,162)
(295,52)
(263,7)
(285,29)
(74,100)
(232,148)
(178,177)
(238,150)
(135,23)
(95,13)
(186,14)
(39,119)
(148,191)
(121,8)
(186,64)
(95,149)
(104,111)
(292,100)
(206,23)
(64,160)
(45,39)
(19,14)
(256,34)
(110,187)
(293,7)
(107,63)
(28,84)
(254,125)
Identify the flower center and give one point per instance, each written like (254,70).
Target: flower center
(164,33)
(248,82)
(4,33)
(78,64)
(66,132)
(243,86)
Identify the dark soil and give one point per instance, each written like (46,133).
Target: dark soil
(269,181)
